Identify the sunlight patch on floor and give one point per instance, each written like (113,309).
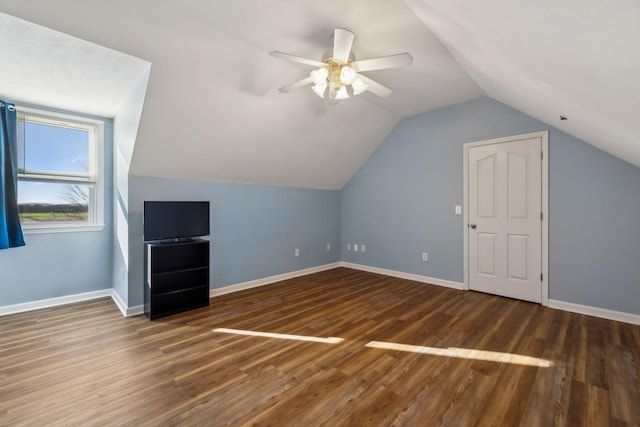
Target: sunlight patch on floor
(466,353)
(330,340)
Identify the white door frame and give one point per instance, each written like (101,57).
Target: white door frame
(544,137)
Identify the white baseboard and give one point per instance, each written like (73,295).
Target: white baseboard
(69,299)
(402,275)
(134,311)
(122,306)
(139,309)
(53,302)
(269,280)
(620,316)
(126,311)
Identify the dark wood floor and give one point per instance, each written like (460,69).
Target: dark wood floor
(390,352)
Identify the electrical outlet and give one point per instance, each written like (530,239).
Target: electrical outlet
(297,252)
(328,247)
(362,248)
(425,256)
(348,246)
(355,247)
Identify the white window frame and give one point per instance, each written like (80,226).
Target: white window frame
(96,169)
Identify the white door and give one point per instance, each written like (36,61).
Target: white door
(505,218)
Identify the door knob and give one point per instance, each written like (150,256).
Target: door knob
(473,226)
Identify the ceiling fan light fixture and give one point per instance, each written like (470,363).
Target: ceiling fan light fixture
(319,89)
(333,90)
(359,86)
(319,76)
(342,93)
(339,76)
(347,75)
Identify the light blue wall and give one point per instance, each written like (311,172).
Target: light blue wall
(61,264)
(401,203)
(594,227)
(254,228)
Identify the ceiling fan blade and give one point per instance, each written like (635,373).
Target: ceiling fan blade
(342,42)
(296,85)
(391,61)
(375,87)
(293,58)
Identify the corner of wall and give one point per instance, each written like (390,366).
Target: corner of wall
(126,125)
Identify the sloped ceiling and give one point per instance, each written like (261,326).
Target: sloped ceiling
(213,111)
(576,58)
(46,67)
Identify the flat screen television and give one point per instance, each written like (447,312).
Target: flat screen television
(175,220)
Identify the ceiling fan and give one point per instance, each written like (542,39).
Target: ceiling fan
(339,75)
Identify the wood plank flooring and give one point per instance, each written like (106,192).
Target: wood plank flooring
(387,352)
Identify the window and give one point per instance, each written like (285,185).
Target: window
(59,172)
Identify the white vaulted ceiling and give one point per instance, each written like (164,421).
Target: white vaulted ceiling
(576,58)
(213,111)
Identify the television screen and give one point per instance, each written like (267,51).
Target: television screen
(175,220)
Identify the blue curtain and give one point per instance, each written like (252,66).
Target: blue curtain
(10,230)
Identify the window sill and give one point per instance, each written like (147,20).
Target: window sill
(50,229)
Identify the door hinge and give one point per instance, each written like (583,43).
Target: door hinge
(541,277)
(541,213)
(541,155)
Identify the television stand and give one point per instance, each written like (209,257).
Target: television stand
(177,277)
